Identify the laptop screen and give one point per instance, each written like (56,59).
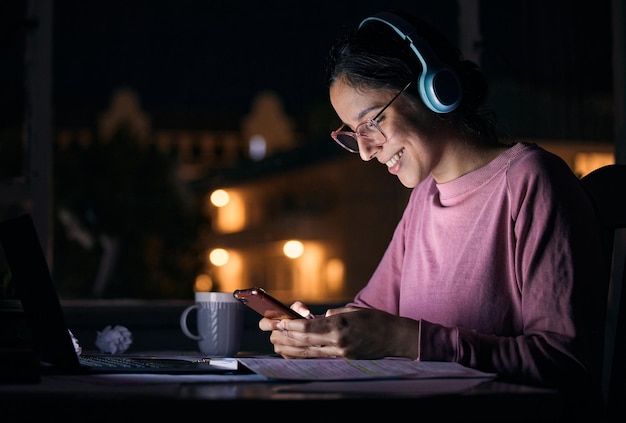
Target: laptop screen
(26,277)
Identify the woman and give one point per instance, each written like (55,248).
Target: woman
(492,264)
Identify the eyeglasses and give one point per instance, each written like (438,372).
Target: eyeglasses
(369,131)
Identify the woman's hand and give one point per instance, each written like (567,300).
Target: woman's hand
(350,332)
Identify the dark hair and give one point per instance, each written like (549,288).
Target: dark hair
(374,56)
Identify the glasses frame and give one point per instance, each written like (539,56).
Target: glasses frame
(372,122)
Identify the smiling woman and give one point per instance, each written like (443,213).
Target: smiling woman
(494,261)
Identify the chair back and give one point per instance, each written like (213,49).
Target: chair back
(607,188)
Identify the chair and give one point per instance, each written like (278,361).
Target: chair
(607,188)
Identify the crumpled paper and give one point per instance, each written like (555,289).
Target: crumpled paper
(77,347)
(114,340)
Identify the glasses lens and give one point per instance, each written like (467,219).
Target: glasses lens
(347,141)
(370,133)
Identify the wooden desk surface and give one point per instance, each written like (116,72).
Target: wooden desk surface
(92,398)
(139,398)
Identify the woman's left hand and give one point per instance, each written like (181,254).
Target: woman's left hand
(350,332)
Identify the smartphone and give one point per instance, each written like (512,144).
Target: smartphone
(264,304)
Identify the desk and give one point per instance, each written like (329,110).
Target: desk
(94,399)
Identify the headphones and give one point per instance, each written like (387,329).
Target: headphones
(438,85)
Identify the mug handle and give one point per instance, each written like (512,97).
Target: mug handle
(183,323)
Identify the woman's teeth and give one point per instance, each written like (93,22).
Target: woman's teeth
(395,159)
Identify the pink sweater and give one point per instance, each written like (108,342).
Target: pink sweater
(499,267)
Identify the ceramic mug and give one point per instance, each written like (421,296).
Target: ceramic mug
(219,323)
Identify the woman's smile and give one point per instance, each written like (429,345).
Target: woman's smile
(392,163)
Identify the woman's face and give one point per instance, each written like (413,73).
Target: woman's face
(409,154)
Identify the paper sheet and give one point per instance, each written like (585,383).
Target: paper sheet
(344,369)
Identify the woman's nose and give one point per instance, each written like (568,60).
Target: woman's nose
(367,151)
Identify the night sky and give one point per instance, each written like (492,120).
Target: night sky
(203,54)
(215,56)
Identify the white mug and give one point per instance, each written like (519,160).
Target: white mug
(219,318)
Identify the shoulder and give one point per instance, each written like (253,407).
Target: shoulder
(529,157)
(530,163)
(542,177)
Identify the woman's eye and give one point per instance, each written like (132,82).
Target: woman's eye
(372,123)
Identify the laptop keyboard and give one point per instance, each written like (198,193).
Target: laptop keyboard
(132,362)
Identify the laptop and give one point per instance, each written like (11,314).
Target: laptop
(24,273)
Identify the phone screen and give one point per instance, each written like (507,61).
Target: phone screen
(264,304)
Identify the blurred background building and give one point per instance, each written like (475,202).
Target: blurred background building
(166,147)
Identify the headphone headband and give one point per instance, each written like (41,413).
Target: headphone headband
(438,84)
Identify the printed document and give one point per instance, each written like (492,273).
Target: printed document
(344,369)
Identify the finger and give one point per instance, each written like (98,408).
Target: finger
(316,351)
(301,339)
(298,325)
(300,308)
(334,311)
(267,325)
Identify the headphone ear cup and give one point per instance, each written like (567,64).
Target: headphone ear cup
(438,85)
(440,89)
